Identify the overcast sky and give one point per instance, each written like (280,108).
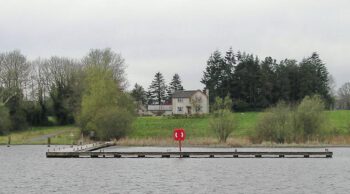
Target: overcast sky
(179,36)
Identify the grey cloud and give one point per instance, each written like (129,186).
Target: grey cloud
(178,36)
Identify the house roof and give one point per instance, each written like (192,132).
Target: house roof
(184,94)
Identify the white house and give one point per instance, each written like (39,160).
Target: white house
(190,102)
(182,103)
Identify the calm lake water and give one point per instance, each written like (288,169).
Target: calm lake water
(25,169)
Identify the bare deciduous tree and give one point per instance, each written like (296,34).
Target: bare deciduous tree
(344,96)
(14,74)
(108,59)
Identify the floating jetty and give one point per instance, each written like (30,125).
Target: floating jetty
(236,154)
(89,151)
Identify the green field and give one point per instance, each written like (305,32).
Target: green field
(146,127)
(338,123)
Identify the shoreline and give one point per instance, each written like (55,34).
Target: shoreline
(207,146)
(342,141)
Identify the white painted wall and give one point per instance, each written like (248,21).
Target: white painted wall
(183,104)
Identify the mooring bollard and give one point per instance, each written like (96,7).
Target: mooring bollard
(9,141)
(48,142)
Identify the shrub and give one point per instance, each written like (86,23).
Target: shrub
(222,122)
(5,122)
(18,120)
(36,115)
(284,123)
(240,105)
(112,123)
(275,124)
(309,118)
(17,114)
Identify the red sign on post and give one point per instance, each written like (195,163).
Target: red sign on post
(179,135)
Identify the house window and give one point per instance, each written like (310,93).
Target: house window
(179,100)
(179,109)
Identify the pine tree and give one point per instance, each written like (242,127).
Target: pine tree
(246,80)
(169,93)
(211,74)
(218,74)
(227,73)
(314,78)
(175,84)
(267,82)
(230,58)
(293,76)
(149,98)
(157,89)
(139,94)
(282,85)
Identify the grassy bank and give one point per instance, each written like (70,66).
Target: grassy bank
(162,127)
(38,135)
(338,122)
(158,131)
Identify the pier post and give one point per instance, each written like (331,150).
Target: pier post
(48,142)
(9,141)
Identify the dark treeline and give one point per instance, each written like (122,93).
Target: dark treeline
(254,84)
(33,92)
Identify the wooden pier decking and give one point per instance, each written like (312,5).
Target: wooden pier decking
(263,154)
(82,148)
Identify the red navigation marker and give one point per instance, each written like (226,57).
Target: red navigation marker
(179,135)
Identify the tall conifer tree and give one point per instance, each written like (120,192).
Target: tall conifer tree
(175,84)
(139,94)
(157,89)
